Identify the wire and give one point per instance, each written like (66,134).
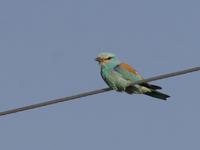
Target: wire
(50,102)
(168,75)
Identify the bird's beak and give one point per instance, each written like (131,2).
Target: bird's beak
(98,59)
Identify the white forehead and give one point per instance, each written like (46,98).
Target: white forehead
(106,54)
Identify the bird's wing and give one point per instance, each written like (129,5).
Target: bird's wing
(128,72)
(131,74)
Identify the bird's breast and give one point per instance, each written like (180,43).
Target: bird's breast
(114,79)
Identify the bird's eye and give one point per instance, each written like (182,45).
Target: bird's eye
(109,58)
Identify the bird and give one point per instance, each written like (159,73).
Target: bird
(119,76)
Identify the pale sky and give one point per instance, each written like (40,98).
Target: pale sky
(47,51)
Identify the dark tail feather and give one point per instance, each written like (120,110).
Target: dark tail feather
(157,94)
(151,86)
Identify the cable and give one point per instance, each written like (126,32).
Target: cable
(50,102)
(168,75)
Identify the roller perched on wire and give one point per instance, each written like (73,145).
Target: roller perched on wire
(119,77)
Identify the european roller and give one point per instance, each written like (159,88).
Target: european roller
(119,77)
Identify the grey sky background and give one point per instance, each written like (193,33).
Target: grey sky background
(47,51)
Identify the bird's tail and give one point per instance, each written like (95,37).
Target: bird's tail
(150,90)
(157,94)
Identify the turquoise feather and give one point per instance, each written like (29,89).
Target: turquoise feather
(119,77)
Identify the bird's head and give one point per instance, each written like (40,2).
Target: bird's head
(107,59)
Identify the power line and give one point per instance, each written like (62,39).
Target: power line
(50,102)
(168,75)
